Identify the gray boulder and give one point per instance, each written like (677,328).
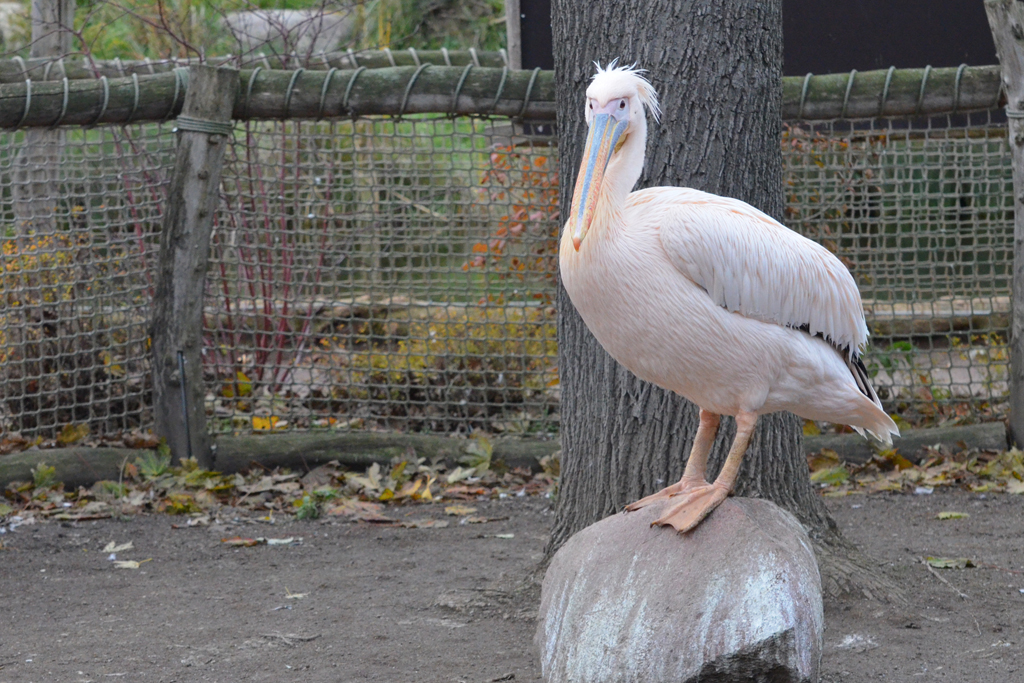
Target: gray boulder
(289,30)
(736,599)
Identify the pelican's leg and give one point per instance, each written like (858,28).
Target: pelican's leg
(693,475)
(698,503)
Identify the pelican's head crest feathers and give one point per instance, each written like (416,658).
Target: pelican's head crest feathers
(616,81)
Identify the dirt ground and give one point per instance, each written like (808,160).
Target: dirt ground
(357,602)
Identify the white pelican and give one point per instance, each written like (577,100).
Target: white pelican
(708,297)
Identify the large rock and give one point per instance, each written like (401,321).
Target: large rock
(736,599)
(303,31)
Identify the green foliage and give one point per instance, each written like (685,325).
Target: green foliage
(157,29)
(458,351)
(310,506)
(478,455)
(432,24)
(307,508)
(152,465)
(898,355)
(18,33)
(44,476)
(110,488)
(179,504)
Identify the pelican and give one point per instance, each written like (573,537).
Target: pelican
(708,297)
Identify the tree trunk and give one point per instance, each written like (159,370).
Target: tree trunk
(717,67)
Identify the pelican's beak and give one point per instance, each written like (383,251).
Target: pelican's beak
(605,131)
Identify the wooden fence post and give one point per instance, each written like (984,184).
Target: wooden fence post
(36,186)
(513,36)
(1006,19)
(178,392)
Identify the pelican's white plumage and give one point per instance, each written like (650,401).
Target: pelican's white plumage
(708,297)
(751,264)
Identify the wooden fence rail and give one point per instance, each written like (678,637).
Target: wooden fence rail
(466,90)
(268,94)
(16,70)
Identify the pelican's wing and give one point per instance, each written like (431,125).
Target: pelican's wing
(751,264)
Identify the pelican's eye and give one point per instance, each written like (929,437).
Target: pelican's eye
(622,104)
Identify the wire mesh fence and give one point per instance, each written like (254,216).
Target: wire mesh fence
(921,211)
(383,273)
(81,212)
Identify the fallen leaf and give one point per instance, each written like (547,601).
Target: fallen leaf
(72,433)
(949,562)
(832,475)
(239,541)
(288,595)
(477,456)
(952,515)
(824,459)
(291,540)
(272,484)
(460,473)
(425,524)
(459,510)
(425,494)
(360,509)
(884,485)
(482,520)
(72,517)
(113,547)
(893,457)
(271,423)
(409,489)
(130,564)
(465,492)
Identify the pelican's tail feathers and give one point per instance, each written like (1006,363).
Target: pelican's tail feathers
(860,376)
(874,422)
(873,418)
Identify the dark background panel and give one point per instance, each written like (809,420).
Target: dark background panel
(831,36)
(823,36)
(535,34)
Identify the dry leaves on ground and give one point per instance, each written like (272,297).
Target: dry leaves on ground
(971,470)
(151,484)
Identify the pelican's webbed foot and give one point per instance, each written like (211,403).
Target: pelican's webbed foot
(681,487)
(693,506)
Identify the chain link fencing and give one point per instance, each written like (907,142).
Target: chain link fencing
(81,213)
(385,274)
(921,211)
(399,274)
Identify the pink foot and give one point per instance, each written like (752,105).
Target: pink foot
(693,507)
(681,487)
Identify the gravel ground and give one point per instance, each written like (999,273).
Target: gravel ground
(359,602)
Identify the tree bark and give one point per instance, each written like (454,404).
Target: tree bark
(179,405)
(717,66)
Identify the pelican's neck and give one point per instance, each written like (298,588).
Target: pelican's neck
(624,169)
